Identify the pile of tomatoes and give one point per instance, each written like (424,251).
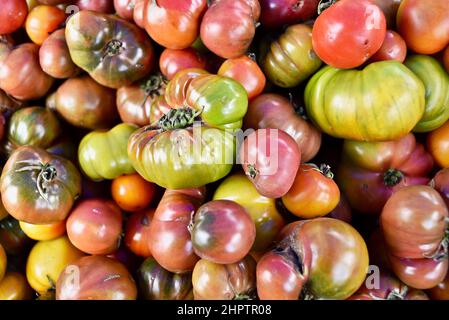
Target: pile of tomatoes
(224,149)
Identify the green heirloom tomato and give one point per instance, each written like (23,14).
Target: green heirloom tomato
(113,51)
(178,158)
(384,101)
(436,82)
(38,187)
(102,154)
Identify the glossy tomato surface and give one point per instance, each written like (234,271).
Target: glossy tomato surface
(12,14)
(132,192)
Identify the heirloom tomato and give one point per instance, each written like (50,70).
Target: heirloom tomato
(125,8)
(38,187)
(321,258)
(103,6)
(270,158)
(21,75)
(271,110)
(102,154)
(99,278)
(393,48)
(424,25)
(441,291)
(156,283)
(12,14)
(172,61)
(54,57)
(222,231)
(47,260)
(436,83)
(113,51)
(370,172)
(313,194)
(263,210)
(348,43)
(3,261)
(246,71)
(389,8)
(143,103)
(14,286)
(234,281)
(12,238)
(84,103)
(137,232)
(276,13)
(441,184)
(95,226)
(290,59)
(132,193)
(43,232)
(396,101)
(228,26)
(42,21)
(438,145)
(170,240)
(174,24)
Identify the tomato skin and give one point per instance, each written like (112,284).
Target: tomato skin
(170,239)
(14,286)
(43,232)
(95,283)
(270,158)
(424,25)
(370,172)
(12,238)
(228,26)
(246,71)
(137,232)
(132,192)
(3,262)
(138,12)
(291,59)
(172,61)
(393,48)
(213,281)
(340,85)
(441,184)
(54,57)
(42,21)
(438,145)
(21,75)
(424,207)
(9,106)
(21,181)
(174,24)
(47,260)
(446,59)
(313,193)
(96,158)
(14,12)
(390,9)
(102,6)
(275,13)
(216,225)
(441,291)
(124,8)
(156,283)
(348,43)
(121,54)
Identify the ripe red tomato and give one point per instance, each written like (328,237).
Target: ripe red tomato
(125,8)
(137,233)
(132,192)
(393,48)
(348,33)
(276,13)
(172,61)
(246,71)
(42,21)
(12,15)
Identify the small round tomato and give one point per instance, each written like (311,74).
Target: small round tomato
(12,15)
(246,71)
(344,42)
(222,231)
(270,158)
(172,61)
(95,226)
(3,262)
(46,261)
(393,48)
(438,145)
(14,286)
(42,21)
(42,232)
(313,194)
(132,192)
(137,232)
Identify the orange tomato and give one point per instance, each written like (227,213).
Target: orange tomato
(438,145)
(313,194)
(42,21)
(132,192)
(42,232)
(14,286)
(3,262)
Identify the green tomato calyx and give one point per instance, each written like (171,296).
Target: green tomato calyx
(325,4)
(178,119)
(252,171)
(153,85)
(113,48)
(393,177)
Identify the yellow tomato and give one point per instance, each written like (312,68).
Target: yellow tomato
(2,262)
(14,286)
(46,261)
(42,232)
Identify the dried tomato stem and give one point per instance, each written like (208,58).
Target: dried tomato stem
(393,177)
(325,4)
(178,118)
